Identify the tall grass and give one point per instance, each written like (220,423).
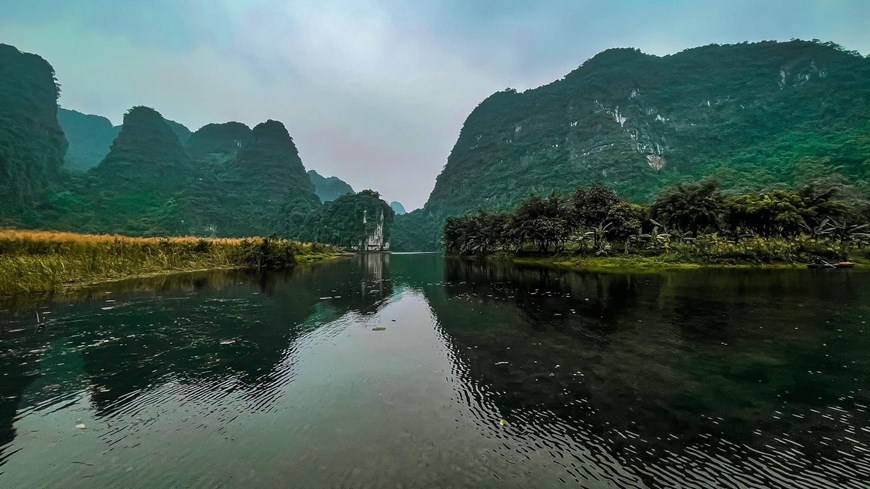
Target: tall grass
(35,261)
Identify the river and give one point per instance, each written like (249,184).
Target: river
(412,370)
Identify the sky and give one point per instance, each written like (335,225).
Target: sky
(374,92)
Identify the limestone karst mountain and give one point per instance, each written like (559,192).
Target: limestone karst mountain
(753,116)
(32,144)
(361,221)
(262,190)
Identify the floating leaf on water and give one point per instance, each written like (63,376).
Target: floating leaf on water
(501,422)
(379,328)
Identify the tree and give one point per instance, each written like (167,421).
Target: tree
(544,222)
(776,213)
(694,208)
(591,205)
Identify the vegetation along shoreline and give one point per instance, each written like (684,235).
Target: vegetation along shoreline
(46,261)
(687,226)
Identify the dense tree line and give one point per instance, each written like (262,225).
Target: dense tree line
(597,220)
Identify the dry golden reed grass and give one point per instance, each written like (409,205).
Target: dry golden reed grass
(38,261)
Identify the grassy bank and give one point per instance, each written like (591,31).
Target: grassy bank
(42,261)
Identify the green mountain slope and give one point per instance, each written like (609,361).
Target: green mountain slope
(754,116)
(328,188)
(134,190)
(32,144)
(262,190)
(153,176)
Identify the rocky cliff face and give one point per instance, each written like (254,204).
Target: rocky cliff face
(328,188)
(748,114)
(32,144)
(375,239)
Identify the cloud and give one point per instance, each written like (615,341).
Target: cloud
(374,92)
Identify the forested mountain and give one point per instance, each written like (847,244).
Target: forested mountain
(90,138)
(753,116)
(328,188)
(134,190)
(32,144)
(360,221)
(262,190)
(150,176)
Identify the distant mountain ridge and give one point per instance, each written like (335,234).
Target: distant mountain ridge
(398,208)
(753,116)
(329,188)
(90,138)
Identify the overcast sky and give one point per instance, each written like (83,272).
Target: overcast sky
(374,92)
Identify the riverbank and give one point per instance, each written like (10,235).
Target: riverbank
(633,263)
(46,261)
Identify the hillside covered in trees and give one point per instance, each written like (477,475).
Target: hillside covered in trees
(148,177)
(32,143)
(753,116)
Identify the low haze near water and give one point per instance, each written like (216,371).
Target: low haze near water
(372,92)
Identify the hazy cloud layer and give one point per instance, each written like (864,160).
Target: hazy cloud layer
(374,92)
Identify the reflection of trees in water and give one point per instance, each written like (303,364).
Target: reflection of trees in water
(657,363)
(193,336)
(548,298)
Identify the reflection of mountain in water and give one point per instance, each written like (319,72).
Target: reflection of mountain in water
(196,336)
(665,369)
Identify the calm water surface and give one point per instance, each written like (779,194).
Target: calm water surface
(485,375)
